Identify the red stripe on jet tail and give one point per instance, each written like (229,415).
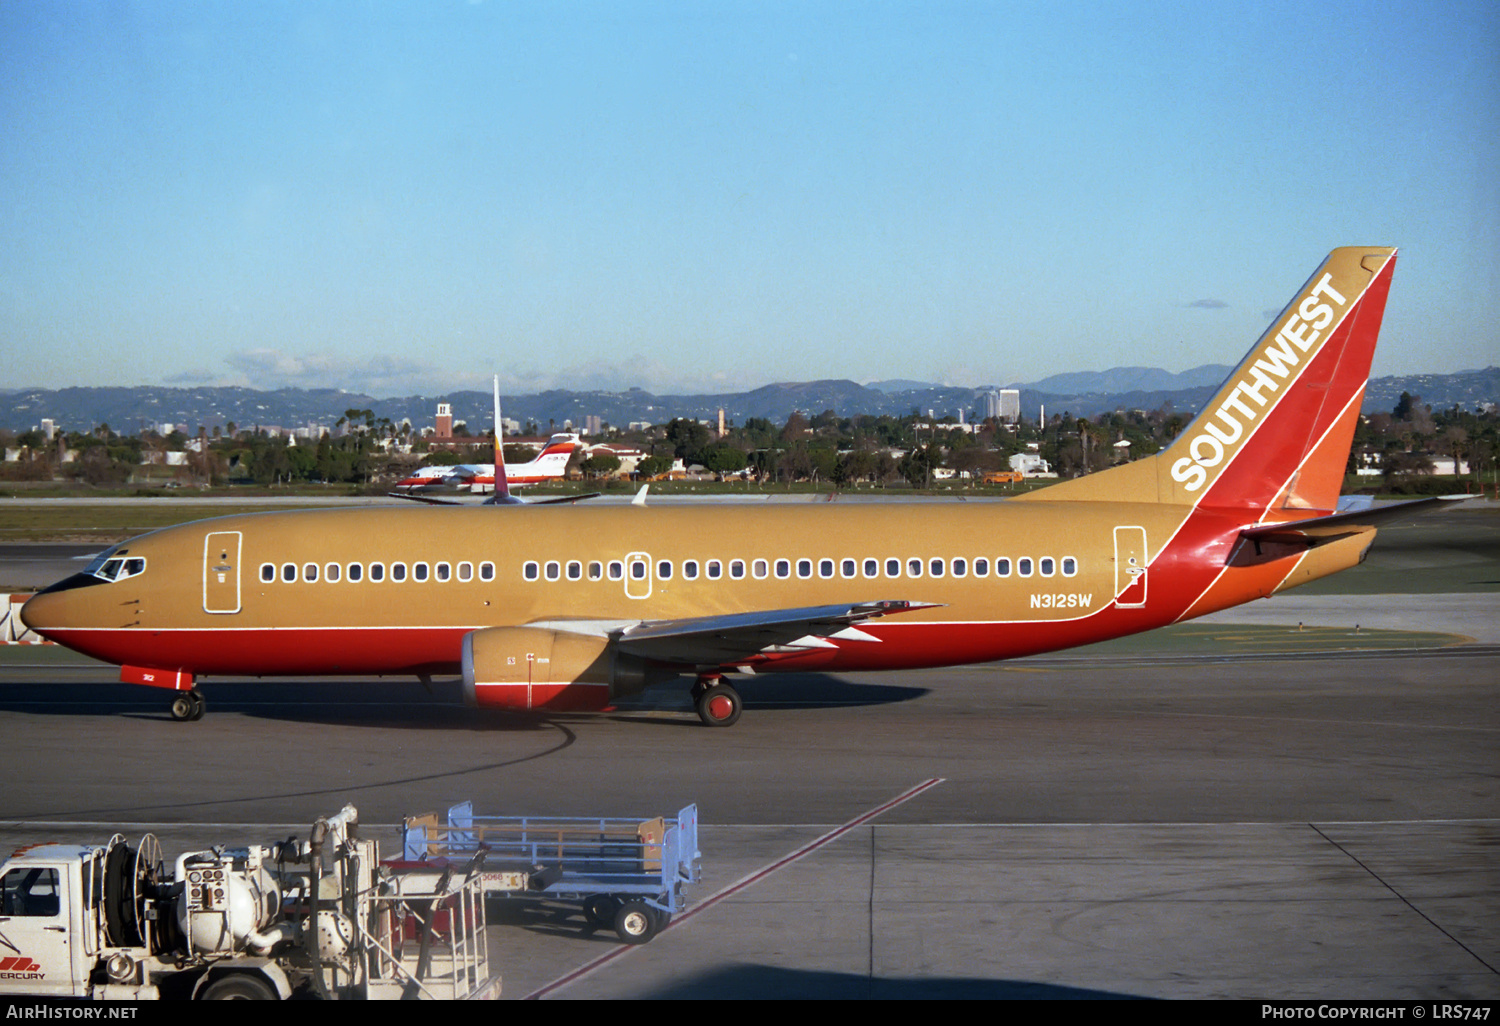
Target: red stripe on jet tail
(1298,445)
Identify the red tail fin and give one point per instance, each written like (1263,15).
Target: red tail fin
(1277,434)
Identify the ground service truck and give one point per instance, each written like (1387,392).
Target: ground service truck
(320,918)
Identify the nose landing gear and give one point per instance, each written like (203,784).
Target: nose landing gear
(188,705)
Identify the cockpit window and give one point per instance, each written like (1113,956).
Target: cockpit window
(114,565)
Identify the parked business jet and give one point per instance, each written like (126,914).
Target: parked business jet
(571,608)
(479,478)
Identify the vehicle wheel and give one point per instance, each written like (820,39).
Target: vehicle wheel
(600,909)
(238,987)
(719,706)
(663,919)
(183,707)
(635,922)
(200,704)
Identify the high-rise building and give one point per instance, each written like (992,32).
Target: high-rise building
(1003,404)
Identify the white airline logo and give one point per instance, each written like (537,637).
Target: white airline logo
(1266,374)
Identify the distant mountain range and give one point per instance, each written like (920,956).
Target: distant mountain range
(1082,394)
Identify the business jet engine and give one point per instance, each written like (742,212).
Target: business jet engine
(538,668)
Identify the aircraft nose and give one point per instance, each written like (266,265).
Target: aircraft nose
(39,612)
(46,610)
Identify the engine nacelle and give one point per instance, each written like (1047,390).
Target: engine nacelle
(537,668)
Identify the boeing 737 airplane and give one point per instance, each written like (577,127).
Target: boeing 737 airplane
(570,608)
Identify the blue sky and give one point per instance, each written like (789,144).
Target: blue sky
(701,196)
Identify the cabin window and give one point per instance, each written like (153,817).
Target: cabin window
(267,572)
(331,573)
(783,568)
(1047,566)
(981,567)
(289,572)
(935,568)
(825,568)
(377,572)
(1023,566)
(849,568)
(530,571)
(355,571)
(690,569)
(553,570)
(575,571)
(758,569)
(419,572)
(1002,567)
(443,571)
(466,571)
(398,572)
(664,570)
(715,569)
(737,569)
(310,572)
(960,567)
(914,567)
(486,571)
(616,570)
(804,568)
(1070,566)
(893,568)
(637,569)
(596,570)
(872,568)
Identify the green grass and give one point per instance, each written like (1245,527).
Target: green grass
(85,522)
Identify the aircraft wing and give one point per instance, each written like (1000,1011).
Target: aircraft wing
(1320,530)
(732,637)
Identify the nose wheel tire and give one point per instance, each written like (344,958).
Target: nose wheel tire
(719,705)
(188,705)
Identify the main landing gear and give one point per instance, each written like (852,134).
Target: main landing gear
(188,705)
(718,704)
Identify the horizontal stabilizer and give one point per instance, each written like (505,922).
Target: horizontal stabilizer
(1319,530)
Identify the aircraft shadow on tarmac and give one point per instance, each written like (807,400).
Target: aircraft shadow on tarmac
(757,982)
(746,981)
(387,704)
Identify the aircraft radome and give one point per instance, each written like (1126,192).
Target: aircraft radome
(569,608)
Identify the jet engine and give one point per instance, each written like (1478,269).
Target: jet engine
(538,668)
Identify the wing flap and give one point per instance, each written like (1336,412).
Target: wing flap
(732,637)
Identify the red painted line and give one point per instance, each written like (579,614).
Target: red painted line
(737,886)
